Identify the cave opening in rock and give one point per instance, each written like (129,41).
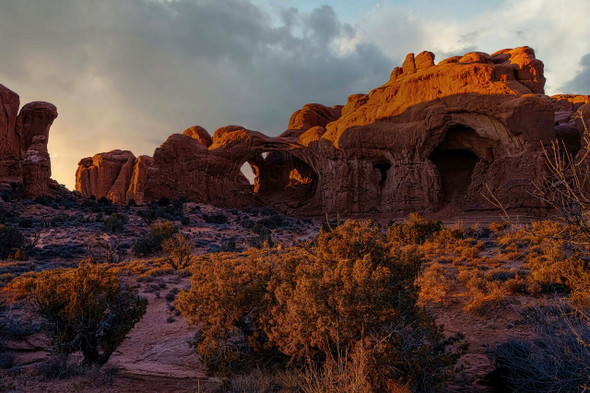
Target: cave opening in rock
(383,168)
(455,167)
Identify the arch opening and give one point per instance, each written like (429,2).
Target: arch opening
(248,172)
(283,179)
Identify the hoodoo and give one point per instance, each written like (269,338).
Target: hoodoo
(24,159)
(435,137)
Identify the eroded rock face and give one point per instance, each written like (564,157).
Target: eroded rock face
(36,168)
(106,175)
(33,124)
(435,137)
(24,159)
(10,150)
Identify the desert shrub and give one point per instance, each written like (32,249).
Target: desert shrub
(247,223)
(216,218)
(228,245)
(415,229)
(86,309)
(163,201)
(108,250)
(483,295)
(25,222)
(303,305)
(264,236)
(273,222)
(177,250)
(43,200)
(115,223)
(151,242)
(149,215)
(104,201)
(434,284)
(497,227)
(554,266)
(11,240)
(558,360)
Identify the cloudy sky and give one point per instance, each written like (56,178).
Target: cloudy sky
(128,73)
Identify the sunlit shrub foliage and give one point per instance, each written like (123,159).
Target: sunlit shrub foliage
(309,303)
(86,309)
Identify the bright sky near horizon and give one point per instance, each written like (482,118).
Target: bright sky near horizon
(128,73)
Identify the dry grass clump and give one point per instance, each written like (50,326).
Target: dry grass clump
(304,305)
(263,381)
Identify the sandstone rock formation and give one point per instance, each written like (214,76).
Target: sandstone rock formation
(117,175)
(435,137)
(312,115)
(24,159)
(10,151)
(200,134)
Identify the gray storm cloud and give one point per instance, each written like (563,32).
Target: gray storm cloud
(128,73)
(581,82)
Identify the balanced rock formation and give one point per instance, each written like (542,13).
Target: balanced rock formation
(435,137)
(24,159)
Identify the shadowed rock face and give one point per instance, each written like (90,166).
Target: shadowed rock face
(433,138)
(24,159)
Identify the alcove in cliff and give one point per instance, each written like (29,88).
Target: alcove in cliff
(455,159)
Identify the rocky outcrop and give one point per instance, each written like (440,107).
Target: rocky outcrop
(137,181)
(114,175)
(33,124)
(10,150)
(312,115)
(200,134)
(434,138)
(24,159)
(37,168)
(567,128)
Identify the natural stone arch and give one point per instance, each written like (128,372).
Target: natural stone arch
(282,178)
(490,128)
